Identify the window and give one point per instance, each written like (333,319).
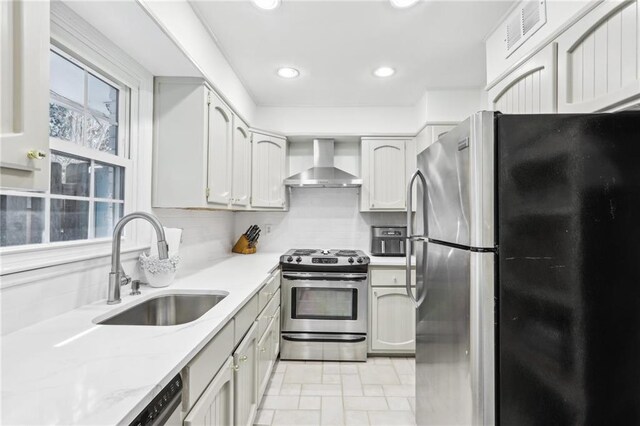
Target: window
(88,141)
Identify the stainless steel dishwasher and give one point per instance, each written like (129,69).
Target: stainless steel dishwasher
(164,409)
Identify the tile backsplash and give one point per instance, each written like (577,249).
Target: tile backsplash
(317,218)
(206,235)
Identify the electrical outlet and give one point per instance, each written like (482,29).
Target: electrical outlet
(267,228)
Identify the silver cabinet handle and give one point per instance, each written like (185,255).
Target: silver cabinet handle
(235,367)
(243,358)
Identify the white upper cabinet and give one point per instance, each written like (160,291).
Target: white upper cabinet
(598,59)
(241,182)
(220,151)
(386,165)
(268,171)
(530,88)
(202,150)
(24,85)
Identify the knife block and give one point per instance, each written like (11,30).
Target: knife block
(243,246)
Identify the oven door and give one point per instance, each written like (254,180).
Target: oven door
(324,302)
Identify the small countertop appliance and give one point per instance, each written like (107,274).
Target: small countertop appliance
(388,240)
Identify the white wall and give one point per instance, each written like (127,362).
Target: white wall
(344,120)
(448,105)
(318,218)
(178,19)
(435,106)
(558,13)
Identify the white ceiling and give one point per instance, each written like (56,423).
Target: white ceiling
(336,45)
(129,27)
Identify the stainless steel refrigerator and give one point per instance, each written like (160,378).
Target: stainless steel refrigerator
(527,243)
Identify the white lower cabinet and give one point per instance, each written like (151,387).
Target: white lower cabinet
(266,358)
(245,367)
(231,396)
(215,406)
(393,318)
(392,314)
(275,337)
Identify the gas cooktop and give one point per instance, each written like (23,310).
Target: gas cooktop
(324,259)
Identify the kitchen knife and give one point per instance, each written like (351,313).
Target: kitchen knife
(253,233)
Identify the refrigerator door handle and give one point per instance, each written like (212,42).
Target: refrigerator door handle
(410,237)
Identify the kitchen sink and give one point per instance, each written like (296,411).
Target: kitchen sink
(166,309)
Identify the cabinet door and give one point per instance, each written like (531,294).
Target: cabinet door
(245,360)
(598,59)
(387,174)
(530,88)
(241,163)
(265,359)
(392,320)
(220,136)
(275,336)
(215,406)
(268,171)
(24,84)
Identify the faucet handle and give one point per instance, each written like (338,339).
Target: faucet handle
(124,279)
(135,288)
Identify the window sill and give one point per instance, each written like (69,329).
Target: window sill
(28,258)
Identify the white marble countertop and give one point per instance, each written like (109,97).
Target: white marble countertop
(68,370)
(390,260)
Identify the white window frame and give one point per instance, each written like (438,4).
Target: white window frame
(74,39)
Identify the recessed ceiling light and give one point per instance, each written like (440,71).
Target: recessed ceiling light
(287,72)
(267,4)
(384,72)
(402,4)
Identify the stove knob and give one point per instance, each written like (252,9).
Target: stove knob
(289,259)
(298,259)
(359,260)
(351,260)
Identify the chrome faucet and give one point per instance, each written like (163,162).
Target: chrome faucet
(117,277)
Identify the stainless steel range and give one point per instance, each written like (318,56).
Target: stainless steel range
(324,305)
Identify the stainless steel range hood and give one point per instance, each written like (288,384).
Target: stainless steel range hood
(323,174)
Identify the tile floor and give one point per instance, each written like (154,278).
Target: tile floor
(378,392)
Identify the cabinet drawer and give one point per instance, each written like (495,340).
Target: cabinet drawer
(391,277)
(245,318)
(268,290)
(268,314)
(200,371)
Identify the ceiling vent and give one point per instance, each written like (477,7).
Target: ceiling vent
(523,22)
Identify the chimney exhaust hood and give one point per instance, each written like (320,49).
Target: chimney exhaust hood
(323,174)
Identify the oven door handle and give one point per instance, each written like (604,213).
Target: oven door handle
(326,276)
(335,338)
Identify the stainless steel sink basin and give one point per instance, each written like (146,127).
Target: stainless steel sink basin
(166,309)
